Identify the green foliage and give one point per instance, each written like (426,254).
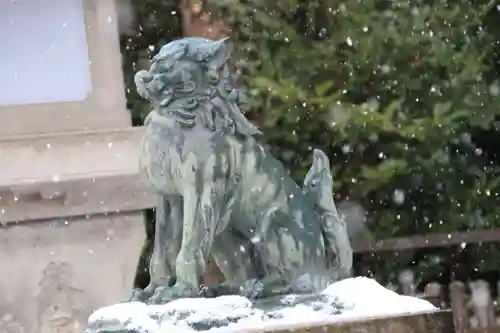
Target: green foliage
(397,93)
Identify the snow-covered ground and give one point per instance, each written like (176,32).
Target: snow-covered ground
(359,298)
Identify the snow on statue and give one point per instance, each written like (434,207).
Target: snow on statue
(346,300)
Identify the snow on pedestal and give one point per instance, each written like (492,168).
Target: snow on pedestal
(347,300)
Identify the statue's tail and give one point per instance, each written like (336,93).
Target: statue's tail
(318,185)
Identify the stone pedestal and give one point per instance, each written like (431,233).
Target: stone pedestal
(71,221)
(72,227)
(437,322)
(56,272)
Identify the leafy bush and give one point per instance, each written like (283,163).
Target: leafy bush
(402,95)
(395,91)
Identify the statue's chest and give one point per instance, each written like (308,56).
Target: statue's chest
(160,159)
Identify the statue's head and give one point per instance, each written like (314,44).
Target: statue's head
(191,71)
(185,66)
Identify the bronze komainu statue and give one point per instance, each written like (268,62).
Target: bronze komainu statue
(222,194)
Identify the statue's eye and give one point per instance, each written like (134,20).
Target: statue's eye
(165,66)
(169,64)
(162,65)
(315,182)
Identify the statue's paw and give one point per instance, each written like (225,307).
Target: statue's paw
(208,291)
(252,289)
(217,290)
(151,288)
(164,295)
(138,295)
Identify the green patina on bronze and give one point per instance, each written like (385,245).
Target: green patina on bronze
(222,194)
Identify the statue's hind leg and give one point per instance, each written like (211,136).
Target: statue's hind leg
(268,245)
(276,278)
(282,258)
(233,254)
(242,267)
(245,261)
(251,270)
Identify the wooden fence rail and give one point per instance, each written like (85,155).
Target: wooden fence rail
(429,240)
(474,307)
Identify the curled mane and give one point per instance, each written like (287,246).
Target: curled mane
(189,81)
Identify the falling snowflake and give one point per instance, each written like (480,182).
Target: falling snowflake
(398,196)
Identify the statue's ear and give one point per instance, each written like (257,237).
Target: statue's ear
(220,53)
(319,165)
(180,52)
(309,177)
(320,160)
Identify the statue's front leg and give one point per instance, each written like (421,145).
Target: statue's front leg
(233,255)
(167,243)
(200,224)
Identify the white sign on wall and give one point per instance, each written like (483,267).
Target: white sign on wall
(43,52)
